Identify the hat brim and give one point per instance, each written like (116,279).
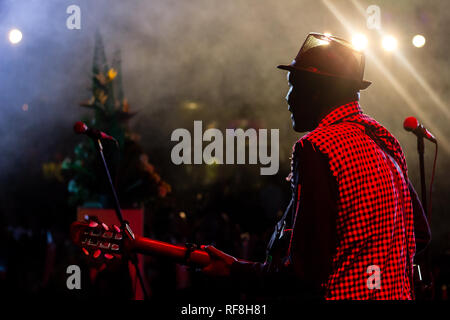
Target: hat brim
(363,84)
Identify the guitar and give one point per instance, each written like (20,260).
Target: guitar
(108,242)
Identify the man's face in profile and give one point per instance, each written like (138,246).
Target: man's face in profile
(301,99)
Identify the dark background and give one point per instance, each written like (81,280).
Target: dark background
(220,55)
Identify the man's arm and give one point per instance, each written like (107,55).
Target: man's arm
(314,236)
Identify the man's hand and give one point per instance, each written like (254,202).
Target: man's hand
(220,262)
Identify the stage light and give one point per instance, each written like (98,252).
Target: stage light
(359,42)
(15,36)
(418,41)
(191,105)
(389,43)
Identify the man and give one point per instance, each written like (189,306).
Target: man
(348,232)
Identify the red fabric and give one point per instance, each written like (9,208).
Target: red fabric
(375,218)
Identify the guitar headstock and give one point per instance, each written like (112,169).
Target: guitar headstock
(98,240)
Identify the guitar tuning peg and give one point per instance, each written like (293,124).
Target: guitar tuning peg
(97,253)
(105,227)
(109,256)
(93,224)
(116,228)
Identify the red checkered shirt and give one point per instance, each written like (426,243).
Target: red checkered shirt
(374,224)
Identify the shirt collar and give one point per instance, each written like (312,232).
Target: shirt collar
(340,113)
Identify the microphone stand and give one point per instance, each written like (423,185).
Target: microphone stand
(427,289)
(125,227)
(421,151)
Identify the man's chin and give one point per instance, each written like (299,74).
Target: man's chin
(294,125)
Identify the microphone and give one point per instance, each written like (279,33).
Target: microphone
(411,124)
(82,128)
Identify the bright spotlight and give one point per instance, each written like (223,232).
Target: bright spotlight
(389,43)
(15,36)
(359,42)
(418,41)
(191,105)
(327,34)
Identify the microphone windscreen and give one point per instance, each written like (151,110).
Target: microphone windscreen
(80,127)
(410,124)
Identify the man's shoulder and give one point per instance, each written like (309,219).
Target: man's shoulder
(335,134)
(339,142)
(322,142)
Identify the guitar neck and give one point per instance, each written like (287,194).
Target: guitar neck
(94,237)
(180,254)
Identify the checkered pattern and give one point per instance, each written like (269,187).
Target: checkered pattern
(375,219)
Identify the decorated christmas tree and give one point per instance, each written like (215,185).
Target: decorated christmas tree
(135,178)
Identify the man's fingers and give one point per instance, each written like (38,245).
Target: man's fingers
(217,268)
(213,251)
(207,269)
(216,253)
